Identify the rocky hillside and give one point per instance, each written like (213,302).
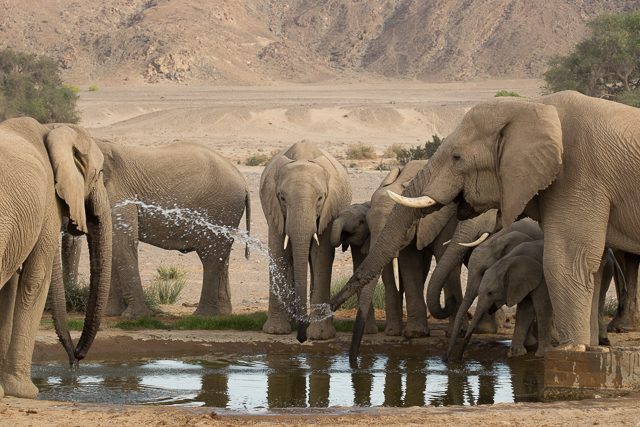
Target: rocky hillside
(261,41)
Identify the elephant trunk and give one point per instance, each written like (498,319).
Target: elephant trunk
(301,230)
(364,305)
(451,258)
(59,309)
(457,325)
(336,232)
(99,239)
(482,307)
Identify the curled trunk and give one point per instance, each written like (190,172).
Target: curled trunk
(59,310)
(336,232)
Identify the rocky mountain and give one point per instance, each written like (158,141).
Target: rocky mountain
(263,41)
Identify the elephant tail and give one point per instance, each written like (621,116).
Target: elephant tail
(247,210)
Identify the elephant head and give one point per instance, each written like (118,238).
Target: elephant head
(474,230)
(300,198)
(499,157)
(350,228)
(508,281)
(77,167)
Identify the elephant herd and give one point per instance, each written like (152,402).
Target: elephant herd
(537,197)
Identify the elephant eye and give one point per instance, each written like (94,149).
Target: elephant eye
(320,197)
(456,157)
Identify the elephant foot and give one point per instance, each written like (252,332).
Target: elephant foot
(393,328)
(276,325)
(322,330)
(136,312)
(114,308)
(208,310)
(622,325)
(370,328)
(416,330)
(516,350)
(604,341)
(16,387)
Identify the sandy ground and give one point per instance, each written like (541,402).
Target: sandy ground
(240,121)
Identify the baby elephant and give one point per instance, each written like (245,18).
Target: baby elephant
(517,278)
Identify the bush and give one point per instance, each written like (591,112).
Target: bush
(77,295)
(507,93)
(630,97)
(257,159)
(393,151)
(30,85)
(75,324)
(360,151)
(167,284)
(239,322)
(352,302)
(93,88)
(610,307)
(142,323)
(419,152)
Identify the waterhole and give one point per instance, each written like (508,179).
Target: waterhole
(260,383)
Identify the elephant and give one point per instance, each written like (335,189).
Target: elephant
(517,278)
(350,230)
(302,190)
(409,271)
(144,182)
(482,258)
(627,317)
(48,172)
(567,160)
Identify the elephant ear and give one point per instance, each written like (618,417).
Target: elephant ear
(522,275)
(431,225)
(69,153)
(391,177)
(268,192)
(528,153)
(339,190)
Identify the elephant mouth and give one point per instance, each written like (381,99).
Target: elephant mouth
(73,229)
(465,210)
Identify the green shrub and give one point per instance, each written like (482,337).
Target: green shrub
(507,93)
(393,151)
(610,307)
(75,324)
(77,295)
(142,323)
(629,97)
(360,151)
(93,88)
(256,159)
(352,302)
(31,86)
(239,322)
(167,284)
(418,152)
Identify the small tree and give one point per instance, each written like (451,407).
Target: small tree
(419,152)
(31,85)
(607,64)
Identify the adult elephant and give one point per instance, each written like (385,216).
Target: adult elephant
(350,230)
(566,159)
(302,189)
(46,172)
(180,196)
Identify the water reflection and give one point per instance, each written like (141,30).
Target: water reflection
(257,383)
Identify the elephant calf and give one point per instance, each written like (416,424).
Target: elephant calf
(141,182)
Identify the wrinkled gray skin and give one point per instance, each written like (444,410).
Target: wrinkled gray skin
(350,230)
(517,278)
(302,190)
(454,256)
(485,256)
(421,242)
(627,317)
(537,157)
(48,171)
(181,175)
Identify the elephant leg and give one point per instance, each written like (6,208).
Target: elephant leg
(321,264)
(31,295)
(598,327)
(215,297)
(125,271)
(281,290)
(71,250)
(414,266)
(7,303)
(524,319)
(570,266)
(604,275)
(393,303)
(628,316)
(544,318)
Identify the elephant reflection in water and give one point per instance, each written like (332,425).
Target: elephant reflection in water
(362,380)
(215,390)
(527,379)
(286,382)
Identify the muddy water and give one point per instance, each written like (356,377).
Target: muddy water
(268,381)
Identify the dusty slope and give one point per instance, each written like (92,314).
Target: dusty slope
(260,41)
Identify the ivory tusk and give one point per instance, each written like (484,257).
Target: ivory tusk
(475,243)
(396,273)
(446,243)
(315,236)
(286,241)
(412,202)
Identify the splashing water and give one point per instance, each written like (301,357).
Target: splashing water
(198,220)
